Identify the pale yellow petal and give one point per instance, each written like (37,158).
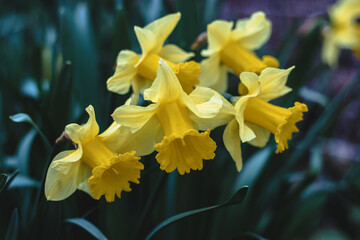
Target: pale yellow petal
(162,28)
(166,86)
(251,82)
(125,72)
(262,135)
(330,51)
(120,140)
(232,142)
(147,41)
(273,83)
(246,133)
(134,117)
(218,33)
(253,32)
(174,54)
(62,175)
(213,74)
(80,133)
(84,174)
(212,104)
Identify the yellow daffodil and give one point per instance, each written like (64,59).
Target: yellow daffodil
(232,49)
(140,70)
(254,118)
(93,167)
(344,31)
(174,117)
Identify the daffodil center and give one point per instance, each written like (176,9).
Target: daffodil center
(187,72)
(149,66)
(239,59)
(174,119)
(279,121)
(264,114)
(95,153)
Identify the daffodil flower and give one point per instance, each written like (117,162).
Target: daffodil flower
(232,49)
(140,70)
(174,117)
(255,118)
(93,167)
(344,31)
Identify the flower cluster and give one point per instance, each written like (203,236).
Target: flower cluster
(343,31)
(186,103)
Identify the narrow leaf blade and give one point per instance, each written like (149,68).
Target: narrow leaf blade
(88,226)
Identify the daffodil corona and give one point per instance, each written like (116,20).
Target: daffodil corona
(93,167)
(232,49)
(255,118)
(175,117)
(140,71)
(343,32)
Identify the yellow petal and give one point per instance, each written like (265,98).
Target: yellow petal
(232,142)
(125,72)
(214,109)
(213,74)
(273,82)
(186,152)
(162,28)
(252,82)
(62,175)
(330,51)
(166,87)
(120,140)
(147,41)
(253,32)
(219,33)
(84,174)
(134,117)
(174,54)
(262,135)
(80,133)
(112,178)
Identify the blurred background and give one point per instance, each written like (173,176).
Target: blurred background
(55,58)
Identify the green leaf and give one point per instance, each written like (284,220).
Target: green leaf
(13,228)
(237,198)
(24,181)
(10,179)
(3,178)
(88,226)
(23,117)
(121,39)
(59,104)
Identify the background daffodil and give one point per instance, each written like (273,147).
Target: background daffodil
(174,117)
(93,167)
(232,49)
(343,32)
(255,118)
(140,70)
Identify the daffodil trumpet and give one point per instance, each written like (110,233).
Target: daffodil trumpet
(254,118)
(139,71)
(176,118)
(233,49)
(94,166)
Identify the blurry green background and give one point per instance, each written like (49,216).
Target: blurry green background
(55,58)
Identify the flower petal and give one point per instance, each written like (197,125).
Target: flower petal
(162,28)
(251,82)
(208,109)
(219,33)
(273,82)
(213,74)
(174,54)
(62,175)
(232,143)
(262,135)
(125,72)
(80,133)
(166,86)
(252,32)
(134,117)
(84,174)
(147,41)
(120,140)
